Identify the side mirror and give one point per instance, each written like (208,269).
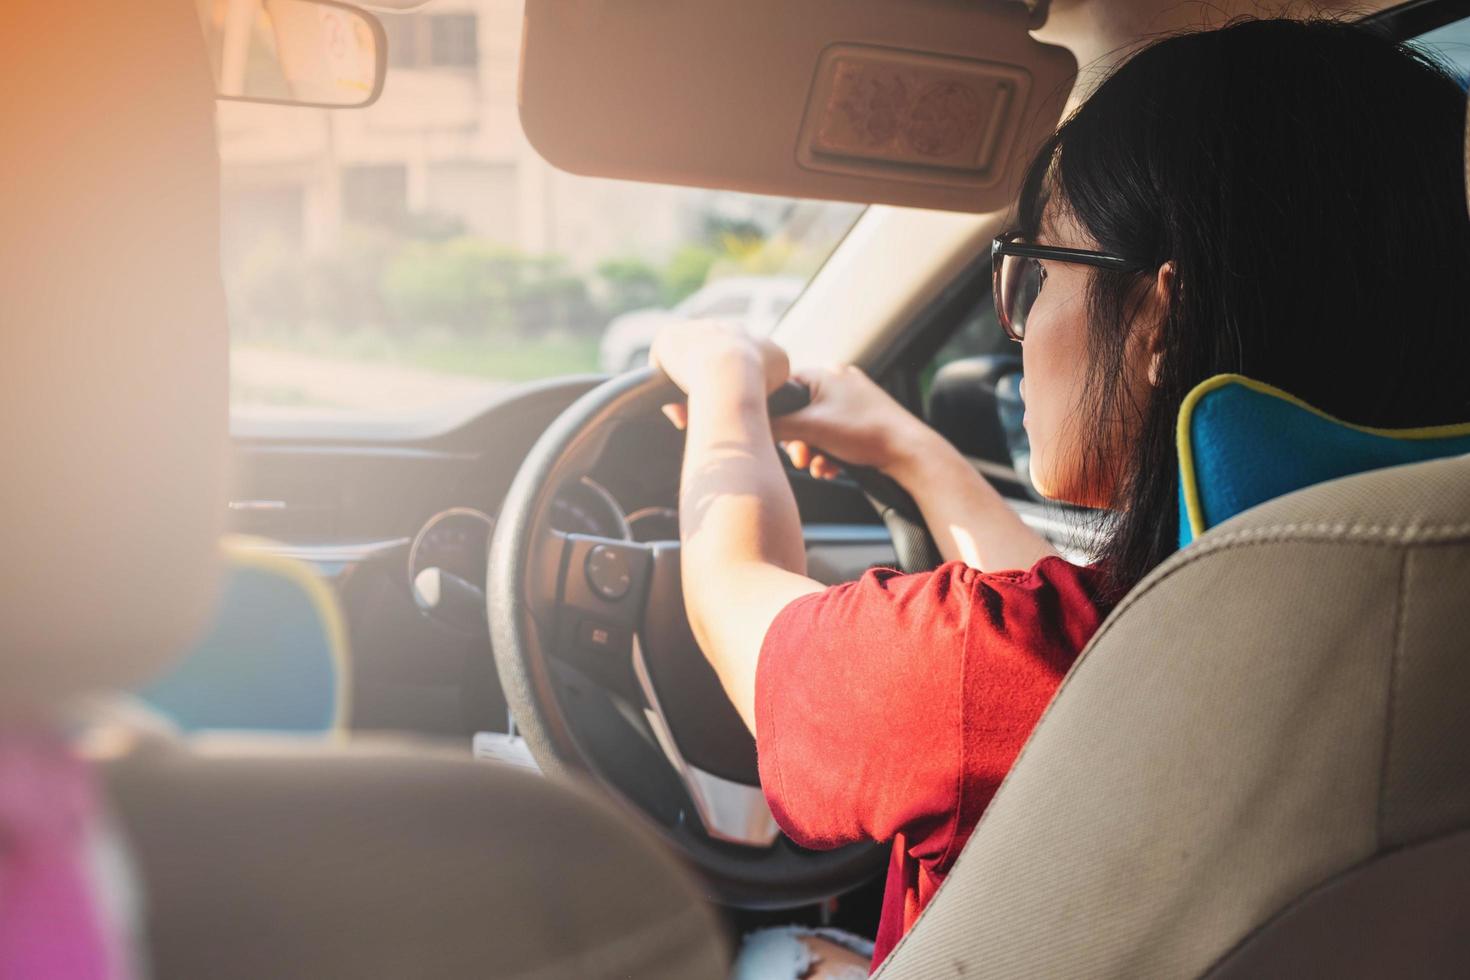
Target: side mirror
(318,53)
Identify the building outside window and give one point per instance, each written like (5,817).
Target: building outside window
(454,41)
(375,195)
(440,40)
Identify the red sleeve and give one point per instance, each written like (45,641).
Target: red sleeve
(897,703)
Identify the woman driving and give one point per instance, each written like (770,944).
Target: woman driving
(1278,199)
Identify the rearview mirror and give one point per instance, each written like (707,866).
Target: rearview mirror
(294,52)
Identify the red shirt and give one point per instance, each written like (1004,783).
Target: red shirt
(892,707)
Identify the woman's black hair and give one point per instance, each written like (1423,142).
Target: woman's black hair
(1306,178)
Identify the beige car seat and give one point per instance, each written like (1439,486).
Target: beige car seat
(254,861)
(1260,766)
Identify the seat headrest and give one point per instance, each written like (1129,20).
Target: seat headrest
(1242,443)
(114,386)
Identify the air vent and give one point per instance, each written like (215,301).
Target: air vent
(268,503)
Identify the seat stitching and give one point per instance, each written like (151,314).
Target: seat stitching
(1389,535)
(1395,533)
(1392,695)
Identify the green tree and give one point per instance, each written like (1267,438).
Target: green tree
(687,271)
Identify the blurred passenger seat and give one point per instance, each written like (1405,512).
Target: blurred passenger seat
(256,861)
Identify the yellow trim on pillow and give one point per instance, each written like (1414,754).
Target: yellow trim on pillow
(244,551)
(1190,486)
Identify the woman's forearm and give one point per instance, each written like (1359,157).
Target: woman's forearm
(969,519)
(743,557)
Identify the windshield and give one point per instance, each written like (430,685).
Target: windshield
(416,257)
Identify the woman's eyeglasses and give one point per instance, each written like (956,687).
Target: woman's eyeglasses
(1017,275)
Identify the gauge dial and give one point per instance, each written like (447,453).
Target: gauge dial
(455,542)
(654,524)
(585,507)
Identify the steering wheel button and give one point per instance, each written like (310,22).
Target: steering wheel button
(609,573)
(596,637)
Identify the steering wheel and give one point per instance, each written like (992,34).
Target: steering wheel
(604,678)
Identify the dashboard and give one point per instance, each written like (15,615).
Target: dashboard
(400,528)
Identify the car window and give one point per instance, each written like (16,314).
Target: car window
(993,362)
(417,256)
(978,333)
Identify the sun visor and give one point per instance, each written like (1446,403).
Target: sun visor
(924,103)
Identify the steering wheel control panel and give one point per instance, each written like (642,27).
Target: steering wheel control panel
(604,591)
(609,572)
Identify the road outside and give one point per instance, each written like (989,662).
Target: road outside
(285,379)
(374,374)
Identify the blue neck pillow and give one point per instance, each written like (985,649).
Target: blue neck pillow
(275,658)
(1242,443)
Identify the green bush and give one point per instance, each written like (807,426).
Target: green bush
(478,288)
(630,284)
(551,298)
(462,283)
(687,271)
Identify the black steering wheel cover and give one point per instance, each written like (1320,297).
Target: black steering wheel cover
(524,677)
(782,876)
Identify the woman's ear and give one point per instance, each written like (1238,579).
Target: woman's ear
(1162,296)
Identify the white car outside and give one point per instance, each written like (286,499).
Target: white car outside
(756,303)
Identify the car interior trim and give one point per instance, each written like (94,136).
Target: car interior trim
(334,553)
(730,811)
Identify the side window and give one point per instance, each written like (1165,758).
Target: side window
(977,334)
(969,388)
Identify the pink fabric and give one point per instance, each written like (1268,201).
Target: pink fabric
(50,924)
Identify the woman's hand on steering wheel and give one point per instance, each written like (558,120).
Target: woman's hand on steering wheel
(849,419)
(695,353)
(860,429)
(852,420)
